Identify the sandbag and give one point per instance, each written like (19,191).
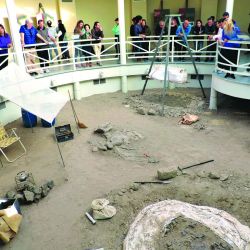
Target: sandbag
(175,74)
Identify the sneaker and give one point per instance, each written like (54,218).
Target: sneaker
(227,75)
(232,76)
(46,71)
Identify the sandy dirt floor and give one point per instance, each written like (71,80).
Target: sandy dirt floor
(58,221)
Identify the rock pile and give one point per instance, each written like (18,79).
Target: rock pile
(26,189)
(117,140)
(175,105)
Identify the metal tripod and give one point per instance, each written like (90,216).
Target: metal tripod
(168,19)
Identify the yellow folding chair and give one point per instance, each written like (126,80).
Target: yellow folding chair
(7,139)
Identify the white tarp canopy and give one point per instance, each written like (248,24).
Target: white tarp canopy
(33,95)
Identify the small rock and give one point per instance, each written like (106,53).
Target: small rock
(124,190)
(135,186)
(224,177)
(50,184)
(141,111)
(20,198)
(10,194)
(104,128)
(102,147)
(166,174)
(153,160)
(117,140)
(45,190)
(120,193)
(37,190)
(29,196)
(151,112)
(37,197)
(213,176)
(94,149)
(109,145)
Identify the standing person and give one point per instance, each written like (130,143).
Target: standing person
(42,50)
(198,30)
(98,35)
(210,30)
(137,34)
(5,43)
(160,26)
(173,30)
(132,32)
(187,29)
(87,45)
(52,45)
(230,33)
(79,32)
(28,34)
(144,34)
(116,33)
(62,37)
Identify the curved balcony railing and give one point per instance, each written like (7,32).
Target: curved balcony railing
(136,50)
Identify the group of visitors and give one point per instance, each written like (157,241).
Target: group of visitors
(88,42)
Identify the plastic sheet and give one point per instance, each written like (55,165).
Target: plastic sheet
(33,95)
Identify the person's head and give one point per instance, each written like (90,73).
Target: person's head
(2,30)
(59,21)
(97,25)
(40,24)
(49,23)
(185,23)
(221,22)
(117,20)
(162,24)
(79,24)
(87,27)
(143,22)
(198,23)
(228,26)
(29,23)
(225,15)
(173,22)
(210,22)
(138,19)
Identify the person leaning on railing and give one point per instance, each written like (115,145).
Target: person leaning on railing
(116,33)
(144,35)
(79,32)
(198,30)
(5,43)
(61,31)
(210,30)
(187,29)
(87,45)
(28,35)
(229,33)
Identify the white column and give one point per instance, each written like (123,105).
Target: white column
(123,59)
(14,27)
(230,7)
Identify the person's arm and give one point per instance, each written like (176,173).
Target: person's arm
(40,37)
(188,30)
(22,39)
(178,31)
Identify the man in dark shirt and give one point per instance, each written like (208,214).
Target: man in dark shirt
(210,30)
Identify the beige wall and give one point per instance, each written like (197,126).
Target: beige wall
(209,8)
(241,13)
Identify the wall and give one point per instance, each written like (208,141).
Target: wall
(241,13)
(209,8)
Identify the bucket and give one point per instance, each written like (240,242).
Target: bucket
(29,119)
(46,124)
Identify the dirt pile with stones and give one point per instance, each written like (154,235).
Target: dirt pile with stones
(176,104)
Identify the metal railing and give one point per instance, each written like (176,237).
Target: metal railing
(82,53)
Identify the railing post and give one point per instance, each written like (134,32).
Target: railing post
(124,83)
(11,9)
